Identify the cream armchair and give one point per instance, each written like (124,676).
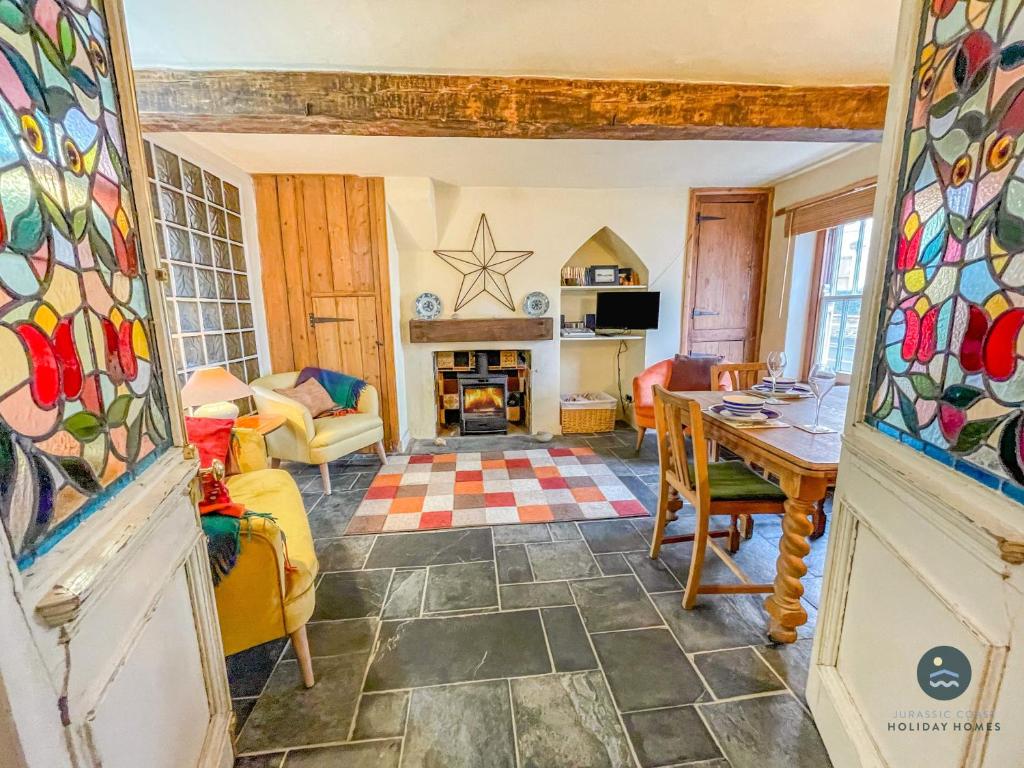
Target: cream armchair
(317,441)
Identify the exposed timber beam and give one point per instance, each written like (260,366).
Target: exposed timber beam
(266,101)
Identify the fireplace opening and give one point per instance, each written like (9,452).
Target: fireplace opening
(482,392)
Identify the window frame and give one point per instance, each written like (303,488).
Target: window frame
(824,247)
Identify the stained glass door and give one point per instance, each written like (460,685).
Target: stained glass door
(82,409)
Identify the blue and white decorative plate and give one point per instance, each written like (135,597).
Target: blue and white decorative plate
(536,304)
(428,306)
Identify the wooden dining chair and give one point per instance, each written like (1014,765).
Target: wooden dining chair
(732,377)
(721,488)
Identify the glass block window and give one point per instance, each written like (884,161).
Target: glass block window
(199,232)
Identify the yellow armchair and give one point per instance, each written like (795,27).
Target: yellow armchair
(318,441)
(260,600)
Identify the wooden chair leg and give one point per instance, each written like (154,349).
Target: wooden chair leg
(301,644)
(325,476)
(734,535)
(640,432)
(747,526)
(275,463)
(661,518)
(381,453)
(819,520)
(700,547)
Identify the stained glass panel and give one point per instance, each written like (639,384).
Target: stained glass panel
(947,377)
(81,405)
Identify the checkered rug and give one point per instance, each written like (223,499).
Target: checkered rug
(452,490)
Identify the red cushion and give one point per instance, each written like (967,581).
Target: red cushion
(212,438)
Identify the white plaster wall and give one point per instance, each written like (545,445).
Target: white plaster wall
(790,262)
(184,147)
(426,215)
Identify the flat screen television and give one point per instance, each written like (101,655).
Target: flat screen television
(628,310)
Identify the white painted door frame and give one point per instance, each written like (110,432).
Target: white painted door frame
(919,556)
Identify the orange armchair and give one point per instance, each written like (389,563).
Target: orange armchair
(680,374)
(643,397)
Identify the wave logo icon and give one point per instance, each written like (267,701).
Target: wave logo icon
(944,672)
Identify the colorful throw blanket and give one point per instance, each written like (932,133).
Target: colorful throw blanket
(224,541)
(343,389)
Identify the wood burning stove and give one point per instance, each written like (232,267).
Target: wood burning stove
(482,398)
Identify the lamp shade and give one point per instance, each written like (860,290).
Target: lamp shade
(212,385)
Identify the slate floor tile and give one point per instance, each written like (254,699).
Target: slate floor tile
(288,715)
(435,651)
(460,725)
(792,661)
(605,536)
(615,602)
(646,669)
(562,560)
(460,586)
(716,622)
(351,594)
(367,754)
(513,564)
(568,720)
(670,737)
(431,548)
(745,726)
(515,596)
(381,715)
(612,565)
(405,596)
(345,554)
(330,517)
(738,672)
(521,534)
(653,574)
(242,708)
(260,761)
(567,639)
(564,531)
(337,638)
(249,670)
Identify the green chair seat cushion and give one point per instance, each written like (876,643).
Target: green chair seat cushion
(735,481)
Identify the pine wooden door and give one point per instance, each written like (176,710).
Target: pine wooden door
(726,263)
(325,279)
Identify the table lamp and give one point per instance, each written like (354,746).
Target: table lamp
(208,391)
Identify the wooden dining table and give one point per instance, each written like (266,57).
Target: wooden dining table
(806,465)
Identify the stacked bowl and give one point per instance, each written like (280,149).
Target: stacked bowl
(782,384)
(742,405)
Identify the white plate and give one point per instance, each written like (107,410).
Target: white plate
(760,416)
(795,393)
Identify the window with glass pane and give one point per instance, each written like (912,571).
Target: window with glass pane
(199,230)
(843,270)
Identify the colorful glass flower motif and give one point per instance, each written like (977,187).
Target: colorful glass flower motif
(947,377)
(81,405)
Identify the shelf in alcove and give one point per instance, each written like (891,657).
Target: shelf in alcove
(585,288)
(601,338)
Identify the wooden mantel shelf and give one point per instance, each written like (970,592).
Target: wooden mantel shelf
(489,329)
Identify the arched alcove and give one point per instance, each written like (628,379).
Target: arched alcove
(595,363)
(606,247)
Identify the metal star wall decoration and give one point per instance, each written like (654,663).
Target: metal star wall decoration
(484,268)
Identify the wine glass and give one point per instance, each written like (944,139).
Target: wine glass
(821,381)
(776,367)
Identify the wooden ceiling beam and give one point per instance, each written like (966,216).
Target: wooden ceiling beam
(367,104)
